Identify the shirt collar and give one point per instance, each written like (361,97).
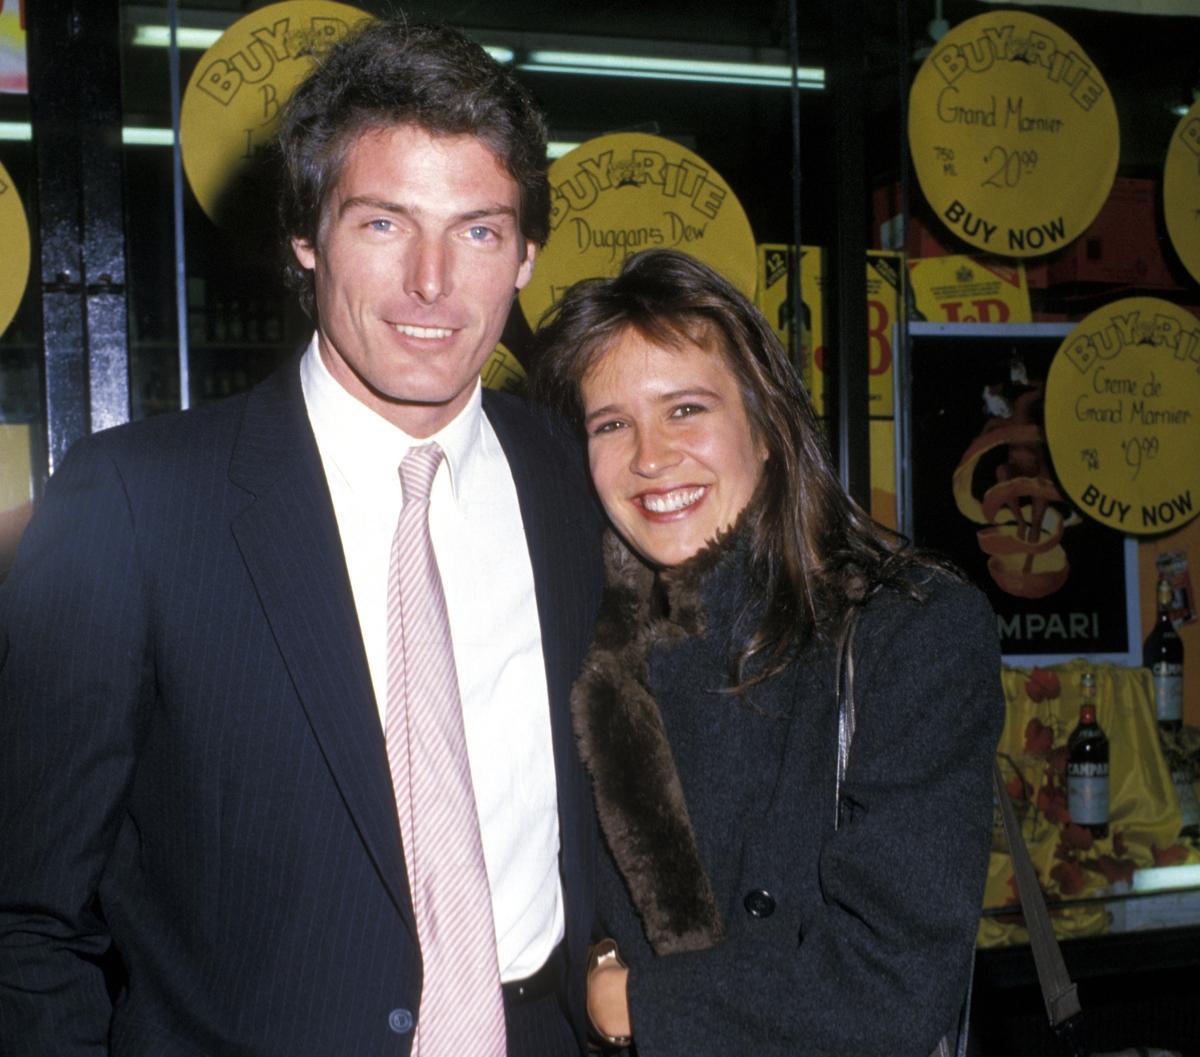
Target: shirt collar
(364,445)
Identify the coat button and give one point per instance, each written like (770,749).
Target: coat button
(400,1021)
(759,903)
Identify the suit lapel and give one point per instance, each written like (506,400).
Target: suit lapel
(289,540)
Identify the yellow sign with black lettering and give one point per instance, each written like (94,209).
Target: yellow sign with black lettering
(617,194)
(1013,134)
(959,289)
(14,237)
(1181,190)
(774,300)
(231,105)
(1123,415)
(503,370)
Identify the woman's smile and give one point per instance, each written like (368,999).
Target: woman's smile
(676,501)
(672,453)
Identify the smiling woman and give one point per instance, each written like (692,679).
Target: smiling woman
(707,709)
(670,447)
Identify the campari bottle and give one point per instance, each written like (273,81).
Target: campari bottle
(1087,765)
(1162,653)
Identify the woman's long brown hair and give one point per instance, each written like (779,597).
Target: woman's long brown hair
(817,553)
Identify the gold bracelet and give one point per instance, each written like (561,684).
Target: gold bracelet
(600,956)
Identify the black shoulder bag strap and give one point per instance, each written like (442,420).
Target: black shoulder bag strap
(1058,991)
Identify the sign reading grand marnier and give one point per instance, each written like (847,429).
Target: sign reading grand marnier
(1123,415)
(1013,134)
(629,191)
(231,105)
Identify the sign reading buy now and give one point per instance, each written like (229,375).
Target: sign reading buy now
(1123,415)
(1013,134)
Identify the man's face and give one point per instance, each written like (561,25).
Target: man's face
(416,262)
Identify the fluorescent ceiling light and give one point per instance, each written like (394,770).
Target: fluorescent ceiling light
(154,36)
(187,37)
(131,136)
(543,60)
(640,66)
(140,136)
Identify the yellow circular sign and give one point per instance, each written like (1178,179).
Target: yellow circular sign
(1123,415)
(14,237)
(1181,190)
(1013,134)
(231,105)
(503,370)
(629,191)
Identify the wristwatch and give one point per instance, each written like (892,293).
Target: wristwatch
(600,956)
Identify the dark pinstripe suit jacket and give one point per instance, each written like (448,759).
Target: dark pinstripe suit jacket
(199,851)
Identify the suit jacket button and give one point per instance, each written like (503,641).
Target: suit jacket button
(400,1021)
(759,903)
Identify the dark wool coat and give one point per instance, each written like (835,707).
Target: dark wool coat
(750,925)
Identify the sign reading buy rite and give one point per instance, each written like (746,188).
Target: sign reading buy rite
(14,237)
(231,105)
(1181,190)
(1013,134)
(629,191)
(1123,415)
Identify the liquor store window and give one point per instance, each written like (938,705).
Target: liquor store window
(806,158)
(799,119)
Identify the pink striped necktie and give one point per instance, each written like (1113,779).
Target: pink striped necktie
(462,1010)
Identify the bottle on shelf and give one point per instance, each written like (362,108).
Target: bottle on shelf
(1162,653)
(1087,765)
(1189,804)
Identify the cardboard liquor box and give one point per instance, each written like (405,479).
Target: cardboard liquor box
(883,310)
(928,237)
(962,289)
(1124,245)
(883,285)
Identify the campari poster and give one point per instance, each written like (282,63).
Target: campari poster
(985,491)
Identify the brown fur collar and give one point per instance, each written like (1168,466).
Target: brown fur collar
(621,737)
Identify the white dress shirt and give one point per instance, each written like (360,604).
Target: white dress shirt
(479,540)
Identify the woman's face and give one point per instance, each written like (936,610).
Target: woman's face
(671,450)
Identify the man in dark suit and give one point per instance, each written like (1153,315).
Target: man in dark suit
(200,846)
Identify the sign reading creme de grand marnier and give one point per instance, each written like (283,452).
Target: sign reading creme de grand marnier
(14,237)
(629,191)
(1181,190)
(1013,134)
(1123,415)
(231,105)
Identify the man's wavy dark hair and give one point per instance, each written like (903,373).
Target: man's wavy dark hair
(389,72)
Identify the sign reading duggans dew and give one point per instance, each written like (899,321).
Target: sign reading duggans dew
(1013,134)
(1123,415)
(1181,190)
(629,191)
(14,237)
(231,105)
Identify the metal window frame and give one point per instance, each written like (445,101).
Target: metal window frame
(75,110)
